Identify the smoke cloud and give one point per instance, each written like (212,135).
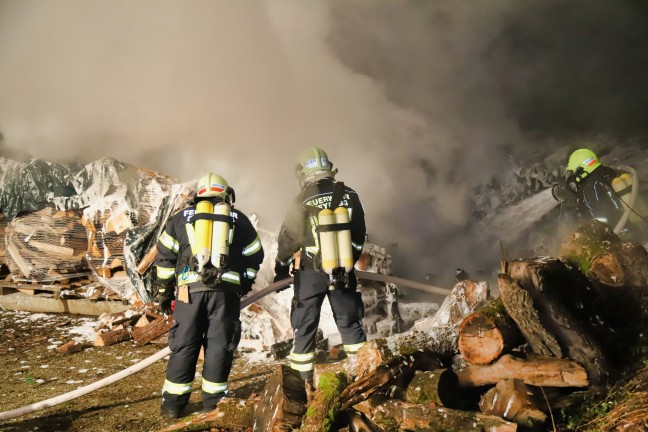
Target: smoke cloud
(417,103)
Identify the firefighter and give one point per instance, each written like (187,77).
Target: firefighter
(598,191)
(299,252)
(206,290)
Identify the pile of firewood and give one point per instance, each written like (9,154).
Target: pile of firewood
(106,241)
(143,325)
(555,331)
(46,245)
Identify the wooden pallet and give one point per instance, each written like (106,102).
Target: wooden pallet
(52,291)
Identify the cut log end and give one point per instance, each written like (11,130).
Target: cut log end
(480,341)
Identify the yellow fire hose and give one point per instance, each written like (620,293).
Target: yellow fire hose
(81,391)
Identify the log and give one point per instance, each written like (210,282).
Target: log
(24,267)
(112,337)
(515,401)
(283,402)
(231,413)
(381,351)
(72,347)
(358,422)
(576,341)
(157,328)
(324,406)
(399,369)
(538,371)
(586,243)
(439,386)
(599,253)
(519,305)
(147,260)
(488,333)
(398,415)
(46,247)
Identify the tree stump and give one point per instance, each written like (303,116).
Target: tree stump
(487,333)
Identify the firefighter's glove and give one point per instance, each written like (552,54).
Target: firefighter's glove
(246,287)
(165,305)
(281,273)
(165,290)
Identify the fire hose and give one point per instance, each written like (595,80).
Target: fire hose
(631,202)
(81,391)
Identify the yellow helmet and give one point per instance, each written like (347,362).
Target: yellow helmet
(583,158)
(314,163)
(214,186)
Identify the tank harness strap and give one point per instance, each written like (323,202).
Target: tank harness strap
(334,227)
(211,217)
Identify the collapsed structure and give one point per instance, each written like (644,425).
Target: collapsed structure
(90,232)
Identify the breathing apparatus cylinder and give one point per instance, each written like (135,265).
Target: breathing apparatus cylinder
(201,246)
(220,236)
(328,242)
(344,246)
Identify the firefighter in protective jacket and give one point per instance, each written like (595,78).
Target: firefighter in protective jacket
(208,257)
(303,237)
(602,193)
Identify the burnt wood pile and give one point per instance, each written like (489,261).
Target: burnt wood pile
(559,328)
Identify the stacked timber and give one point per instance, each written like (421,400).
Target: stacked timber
(3,246)
(46,245)
(105,250)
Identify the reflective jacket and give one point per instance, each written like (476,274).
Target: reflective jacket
(299,229)
(174,254)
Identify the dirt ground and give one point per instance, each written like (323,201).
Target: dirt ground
(34,370)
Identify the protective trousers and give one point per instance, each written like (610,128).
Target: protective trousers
(348,310)
(210,320)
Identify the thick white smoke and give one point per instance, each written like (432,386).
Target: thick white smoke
(415,102)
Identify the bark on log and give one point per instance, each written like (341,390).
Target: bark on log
(513,400)
(400,368)
(72,347)
(324,406)
(358,422)
(599,253)
(112,337)
(586,243)
(231,413)
(157,328)
(488,333)
(438,386)
(399,415)
(283,402)
(537,371)
(519,305)
(542,278)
